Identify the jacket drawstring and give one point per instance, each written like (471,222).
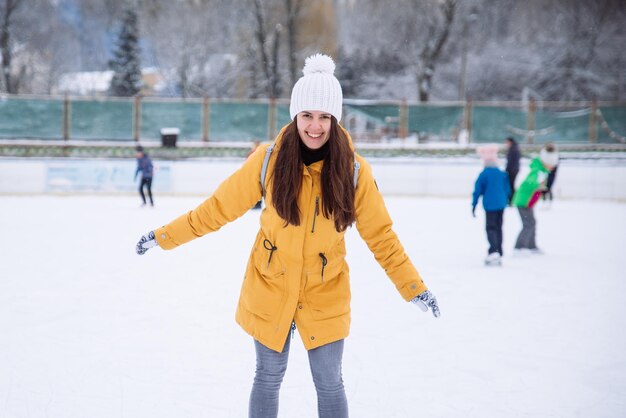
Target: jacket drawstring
(293,328)
(317,211)
(271,248)
(324,262)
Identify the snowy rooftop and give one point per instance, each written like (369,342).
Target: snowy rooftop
(89,82)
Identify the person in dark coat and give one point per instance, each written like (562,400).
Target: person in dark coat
(144,165)
(513,156)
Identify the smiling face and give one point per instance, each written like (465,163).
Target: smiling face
(314,128)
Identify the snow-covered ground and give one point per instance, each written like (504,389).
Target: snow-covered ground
(90,329)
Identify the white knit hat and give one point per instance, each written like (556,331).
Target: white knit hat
(318,89)
(549,158)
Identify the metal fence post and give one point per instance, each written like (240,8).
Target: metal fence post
(271,119)
(403,113)
(206,119)
(530,121)
(66,117)
(467,119)
(593,122)
(137,118)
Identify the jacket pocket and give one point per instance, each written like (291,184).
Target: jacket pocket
(263,291)
(329,297)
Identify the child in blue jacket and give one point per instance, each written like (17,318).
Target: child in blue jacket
(493,185)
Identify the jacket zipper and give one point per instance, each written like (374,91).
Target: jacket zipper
(324,262)
(316,212)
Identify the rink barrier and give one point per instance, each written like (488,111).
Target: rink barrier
(602,178)
(188,149)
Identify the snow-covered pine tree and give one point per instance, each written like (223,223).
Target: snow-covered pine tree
(125,64)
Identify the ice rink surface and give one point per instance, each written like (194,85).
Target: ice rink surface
(90,329)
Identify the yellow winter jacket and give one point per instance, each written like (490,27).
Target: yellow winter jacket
(297,273)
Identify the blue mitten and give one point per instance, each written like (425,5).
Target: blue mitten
(145,243)
(426,299)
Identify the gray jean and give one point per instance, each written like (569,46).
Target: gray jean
(325,362)
(526,238)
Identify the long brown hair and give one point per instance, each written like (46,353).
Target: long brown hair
(337,178)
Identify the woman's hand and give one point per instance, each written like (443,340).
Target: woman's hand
(145,243)
(427,299)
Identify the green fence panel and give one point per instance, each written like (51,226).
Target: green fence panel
(437,121)
(283,116)
(381,114)
(31,118)
(491,124)
(238,121)
(371,122)
(375,116)
(185,116)
(615,117)
(104,120)
(570,126)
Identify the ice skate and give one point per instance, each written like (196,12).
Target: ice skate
(493,259)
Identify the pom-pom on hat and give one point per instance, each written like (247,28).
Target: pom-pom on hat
(318,89)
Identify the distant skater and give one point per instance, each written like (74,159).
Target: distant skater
(144,165)
(513,156)
(527,196)
(493,185)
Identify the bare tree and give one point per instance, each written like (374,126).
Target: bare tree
(96,22)
(268,48)
(7,12)
(413,34)
(430,52)
(293,8)
(276,30)
(197,57)
(575,66)
(563,49)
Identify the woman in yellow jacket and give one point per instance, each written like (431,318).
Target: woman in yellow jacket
(297,275)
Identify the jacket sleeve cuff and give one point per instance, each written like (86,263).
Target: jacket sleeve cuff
(412,289)
(164,239)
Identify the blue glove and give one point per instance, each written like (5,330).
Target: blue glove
(145,243)
(474,211)
(426,299)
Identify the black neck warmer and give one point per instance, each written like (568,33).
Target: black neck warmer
(310,156)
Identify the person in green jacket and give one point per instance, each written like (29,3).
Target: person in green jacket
(527,195)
